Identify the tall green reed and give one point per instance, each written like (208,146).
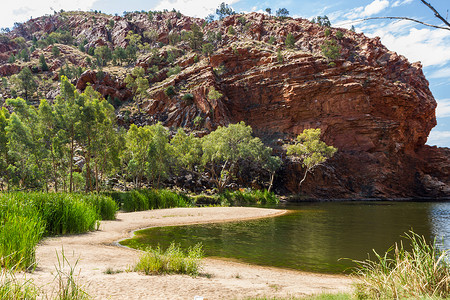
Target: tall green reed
(423,271)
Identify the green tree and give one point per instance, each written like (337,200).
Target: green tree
(310,150)
(195,37)
(208,49)
(25,81)
(55,51)
(331,50)
(26,145)
(103,55)
(137,83)
(120,54)
(42,63)
(67,109)
(269,10)
(290,40)
(187,150)
(224,10)
(282,13)
(4,161)
(138,141)
(323,21)
(225,147)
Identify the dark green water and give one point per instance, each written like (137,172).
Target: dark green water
(313,236)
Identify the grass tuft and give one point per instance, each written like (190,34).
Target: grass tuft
(173,260)
(422,272)
(68,288)
(11,288)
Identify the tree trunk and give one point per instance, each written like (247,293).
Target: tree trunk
(301,181)
(272,176)
(72,150)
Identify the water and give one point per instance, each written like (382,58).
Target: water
(312,236)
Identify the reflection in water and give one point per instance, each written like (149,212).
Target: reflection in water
(313,237)
(440,223)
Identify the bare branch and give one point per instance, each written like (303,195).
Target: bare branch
(401,18)
(436,14)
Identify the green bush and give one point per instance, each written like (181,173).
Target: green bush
(188,97)
(170,91)
(173,260)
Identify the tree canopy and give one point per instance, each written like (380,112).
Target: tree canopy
(310,150)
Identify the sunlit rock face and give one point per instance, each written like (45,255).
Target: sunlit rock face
(370,103)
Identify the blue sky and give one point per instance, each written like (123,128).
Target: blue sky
(416,42)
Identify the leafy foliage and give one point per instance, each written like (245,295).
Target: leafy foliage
(282,13)
(311,151)
(224,10)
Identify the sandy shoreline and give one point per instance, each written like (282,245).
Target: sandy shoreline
(97,251)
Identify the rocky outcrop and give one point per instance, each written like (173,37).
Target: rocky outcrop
(9,69)
(105,84)
(370,103)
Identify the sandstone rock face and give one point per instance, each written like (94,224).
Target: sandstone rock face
(105,84)
(375,107)
(370,103)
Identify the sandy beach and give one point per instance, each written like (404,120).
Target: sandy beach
(95,252)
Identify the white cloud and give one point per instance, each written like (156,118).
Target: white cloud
(430,46)
(194,8)
(375,7)
(441,73)
(439,138)
(366,11)
(443,108)
(400,3)
(22,10)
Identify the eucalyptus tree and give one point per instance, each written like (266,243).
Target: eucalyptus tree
(138,141)
(26,143)
(310,150)
(187,149)
(108,142)
(25,81)
(137,82)
(225,147)
(4,119)
(67,116)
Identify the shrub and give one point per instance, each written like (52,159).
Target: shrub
(170,91)
(331,50)
(173,71)
(213,94)
(188,97)
(422,272)
(290,40)
(272,40)
(231,30)
(280,57)
(173,260)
